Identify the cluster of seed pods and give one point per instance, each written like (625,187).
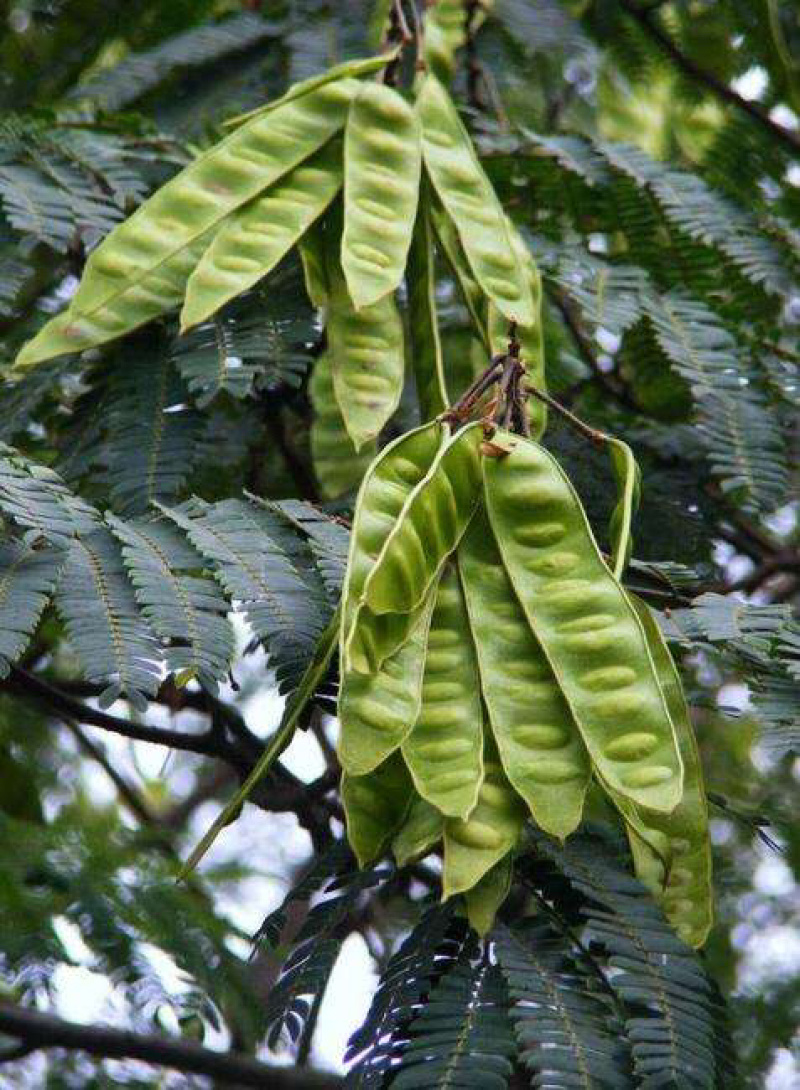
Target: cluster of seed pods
(495,671)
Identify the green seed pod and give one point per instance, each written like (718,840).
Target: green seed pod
(585,624)
(367,354)
(684,887)
(252,241)
(377,710)
(375,806)
(386,487)
(484,899)
(140,262)
(428,528)
(473,847)
(444,751)
(426,347)
(337,466)
(383,161)
(540,746)
(312,257)
(445,34)
(474,299)
(421,830)
(472,204)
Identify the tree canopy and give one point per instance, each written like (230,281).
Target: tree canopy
(289,291)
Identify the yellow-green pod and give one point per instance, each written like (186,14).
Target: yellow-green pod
(530,337)
(471,202)
(539,744)
(474,846)
(312,257)
(252,240)
(338,467)
(485,899)
(445,34)
(474,299)
(382,165)
(386,487)
(420,832)
(429,527)
(375,806)
(367,355)
(160,291)
(426,346)
(444,751)
(584,622)
(141,261)
(684,887)
(377,710)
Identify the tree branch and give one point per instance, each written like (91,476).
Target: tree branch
(36,1030)
(651,27)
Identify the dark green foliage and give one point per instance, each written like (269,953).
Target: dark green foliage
(27,579)
(462,1037)
(567,1030)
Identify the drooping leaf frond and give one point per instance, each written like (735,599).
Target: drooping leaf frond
(103,623)
(182,604)
(264,568)
(36,498)
(567,1030)
(461,1039)
(27,579)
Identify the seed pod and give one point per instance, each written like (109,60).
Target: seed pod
(337,466)
(377,710)
(383,161)
(472,204)
(383,493)
(445,34)
(141,261)
(422,828)
(428,528)
(484,899)
(472,847)
(474,299)
(252,241)
(585,623)
(444,751)
(537,739)
(312,258)
(684,885)
(426,347)
(367,354)
(375,806)
(629,479)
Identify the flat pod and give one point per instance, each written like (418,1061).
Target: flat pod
(375,806)
(444,751)
(367,353)
(129,261)
(471,293)
(471,202)
(377,710)
(429,527)
(539,744)
(485,899)
(474,846)
(426,346)
(585,623)
(684,887)
(252,240)
(161,291)
(386,487)
(422,829)
(337,466)
(382,166)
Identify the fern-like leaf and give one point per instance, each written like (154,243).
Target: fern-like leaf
(103,623)
(185,608)
(36,498)
(267,571)
(462,1038)
(27,579)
